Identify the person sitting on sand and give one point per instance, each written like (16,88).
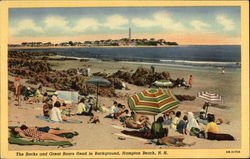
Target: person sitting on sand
(47,108)
(181,126)
(168,117)
(124,116)
(184,83)
(93,119)
(212,131)
(45,97)
(211,127)
(54,98)
(81,107)
(173,141)
(40,134)
(65,109)
(177,82)
(28,94)
(192,125)
(38,92)
(202,116)
(112,110)
(56,112)
(121,111)
(176,120)
(157,128)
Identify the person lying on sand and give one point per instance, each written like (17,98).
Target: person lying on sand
(173,141)
(40,134)
(137,124)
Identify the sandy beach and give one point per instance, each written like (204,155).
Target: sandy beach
(105,135)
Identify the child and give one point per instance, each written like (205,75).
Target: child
(93,119)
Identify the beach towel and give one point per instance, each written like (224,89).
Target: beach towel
(122,128)
(64,122)
(145,135)
(219,137)
(20,141)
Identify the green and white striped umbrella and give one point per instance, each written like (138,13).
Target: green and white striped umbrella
(153,101)
(163,83)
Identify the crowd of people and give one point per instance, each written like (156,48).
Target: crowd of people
(55,109)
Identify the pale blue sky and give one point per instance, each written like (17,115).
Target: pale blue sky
(151,21)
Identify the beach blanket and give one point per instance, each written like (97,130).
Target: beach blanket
(20,141)
(16,139)
(138,134)
(122,128)
(64,122)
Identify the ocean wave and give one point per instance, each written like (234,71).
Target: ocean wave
(202,63)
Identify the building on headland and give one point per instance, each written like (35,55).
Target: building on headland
(108,42)
(129,33)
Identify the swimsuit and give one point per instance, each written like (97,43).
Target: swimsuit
(43,129)
(34,133)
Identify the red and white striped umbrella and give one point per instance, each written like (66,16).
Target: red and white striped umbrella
(209,97)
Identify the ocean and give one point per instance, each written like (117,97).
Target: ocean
(228,56)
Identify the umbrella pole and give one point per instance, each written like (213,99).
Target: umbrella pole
(96,95)
(154,118)
(206,111)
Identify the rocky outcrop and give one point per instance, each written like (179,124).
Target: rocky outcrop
(141,77)
(26,66)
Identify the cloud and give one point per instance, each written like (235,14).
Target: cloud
(25,24)
(86,23)
(115,22)
(161,19)
(56,22)
(199,25)
(227,23)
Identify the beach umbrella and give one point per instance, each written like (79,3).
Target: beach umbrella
(98,81)
(51,91)
(153,101)
(163,83)
(209,97)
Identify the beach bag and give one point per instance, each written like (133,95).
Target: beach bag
(194,131)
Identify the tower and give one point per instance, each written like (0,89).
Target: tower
(129,34)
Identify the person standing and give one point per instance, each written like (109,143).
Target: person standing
(88,72)
(153,69)
(17,92)
(190,81)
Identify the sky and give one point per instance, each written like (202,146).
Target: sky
(184,25)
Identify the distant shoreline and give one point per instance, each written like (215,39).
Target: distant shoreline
(60,47)
(55,47)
